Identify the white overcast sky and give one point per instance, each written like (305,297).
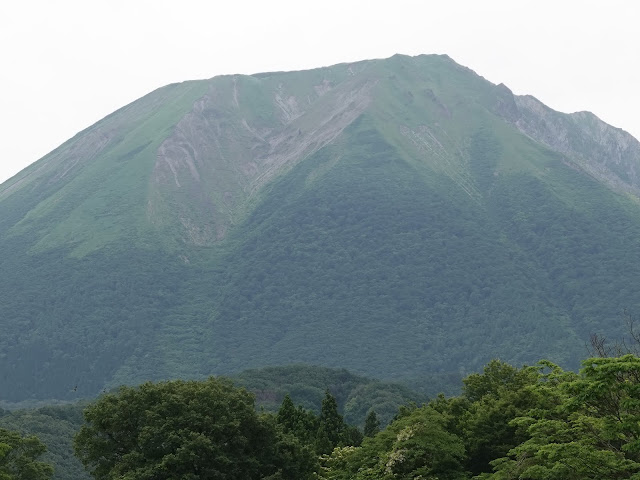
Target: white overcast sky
(65,64)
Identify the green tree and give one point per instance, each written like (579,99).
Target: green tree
(371,424)
(415,445)
(296,443)
(609,389)
(589,429)
(182,429)
(301,423)
(492,400)
(19,457)
(482,415)
(287,414)
(330,420)
(290,457)
(333,431)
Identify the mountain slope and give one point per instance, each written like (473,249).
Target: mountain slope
(400,218)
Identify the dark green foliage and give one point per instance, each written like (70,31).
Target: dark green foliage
(535,423)
(322,433)
(491,401)
(297,430)
(55,426)
(331,422)
(587,429)
(352,436)
(287,415)
(111,309)
(19,457)
(481,417)
(289,456)
(306,385)
(297,421)
(206,429)
(371,424)
(416,445)
(332,429)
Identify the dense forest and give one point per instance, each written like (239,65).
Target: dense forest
(535,422)
(356,396)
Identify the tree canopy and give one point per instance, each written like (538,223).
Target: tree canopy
(19,457)
(535,422)
(181,429)
(590,429)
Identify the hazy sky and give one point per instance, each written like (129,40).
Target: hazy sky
(68,63)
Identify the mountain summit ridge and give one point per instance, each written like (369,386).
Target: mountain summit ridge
(609,154)
(238,157)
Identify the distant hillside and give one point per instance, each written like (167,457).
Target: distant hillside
(55,426)
(356,395)
(401,218)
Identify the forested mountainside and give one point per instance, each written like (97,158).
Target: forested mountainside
(401,218)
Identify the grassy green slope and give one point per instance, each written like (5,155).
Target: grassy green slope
(92,190)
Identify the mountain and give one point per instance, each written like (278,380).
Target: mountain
(402,218)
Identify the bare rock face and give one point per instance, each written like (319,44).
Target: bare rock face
(221,154)
(609,154)
(506,105)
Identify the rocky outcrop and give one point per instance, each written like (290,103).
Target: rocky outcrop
(220,154)
(609,154)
